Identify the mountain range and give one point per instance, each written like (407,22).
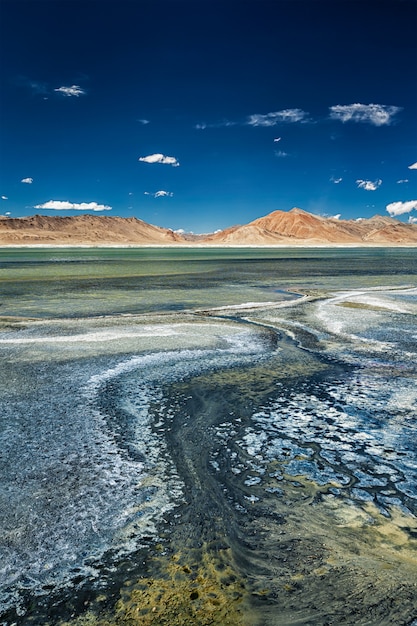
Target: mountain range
(279,228)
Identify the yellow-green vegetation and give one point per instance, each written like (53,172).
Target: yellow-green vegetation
(347,304)
(8,322)
(185,593)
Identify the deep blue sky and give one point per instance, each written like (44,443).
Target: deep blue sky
(251,105)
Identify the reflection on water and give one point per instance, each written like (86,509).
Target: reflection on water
(185,439)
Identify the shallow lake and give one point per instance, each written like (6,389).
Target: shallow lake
(208,436)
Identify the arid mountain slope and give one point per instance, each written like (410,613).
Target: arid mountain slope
(295,227)
(83,229)
(299,227)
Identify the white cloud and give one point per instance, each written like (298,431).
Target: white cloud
(369,185)
(160,158)
(277,139)
(337,217)
(277,117)
(376,114)
(336,181)
(411,220)
(399,208)
(159,194)
(281,154)
(4,198)
(28,181)
(403,180)
(63,205)
(74,90)
(413,166)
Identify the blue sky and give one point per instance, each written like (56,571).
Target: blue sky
(202,114)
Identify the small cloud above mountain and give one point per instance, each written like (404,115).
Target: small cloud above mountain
(369,185)
(375,114)
(399,208)
(285,116)
(160,194)
(160,158)
(74,90)
(63,205)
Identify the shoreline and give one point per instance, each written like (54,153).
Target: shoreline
(209,246)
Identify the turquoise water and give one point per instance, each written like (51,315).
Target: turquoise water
(255,403)
(84,282)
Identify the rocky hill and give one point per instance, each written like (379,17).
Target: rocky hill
(297,227)
(83,230)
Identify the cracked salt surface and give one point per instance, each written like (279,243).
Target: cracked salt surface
(334,433)
(84,474)
(353,434)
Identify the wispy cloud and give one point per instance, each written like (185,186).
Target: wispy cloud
(277,139)
(74,90)
(41,88)
(38,87)
(376,114)
(63,205)
(221,124)
(403,180)
(160,194)
(4,198)
(160,158)
(27,181)
(413,166)
(281,154)
(286,116)
(144,122)
(399,208)
(336,181)
(369,185)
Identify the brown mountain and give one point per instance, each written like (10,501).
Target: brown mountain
(297,227)
(83,229)
(286,228)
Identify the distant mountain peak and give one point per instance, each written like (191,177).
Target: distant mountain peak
(298,227)
(299,211)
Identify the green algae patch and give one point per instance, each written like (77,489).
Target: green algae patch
(361,305)
(184,592)
(10,322)
(191,594)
